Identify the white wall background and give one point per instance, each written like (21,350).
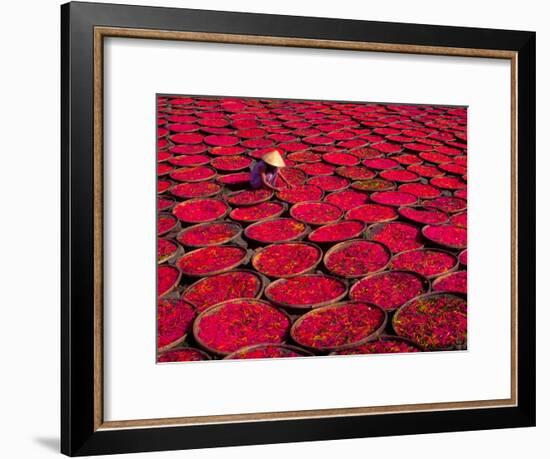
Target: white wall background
(29,235)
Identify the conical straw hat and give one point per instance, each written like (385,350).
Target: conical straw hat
(274,158)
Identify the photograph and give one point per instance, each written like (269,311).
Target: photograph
(305,192)
(302,228)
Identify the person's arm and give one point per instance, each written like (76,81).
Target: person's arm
(266,182)
(284,179)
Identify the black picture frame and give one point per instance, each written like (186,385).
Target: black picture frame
(79,433)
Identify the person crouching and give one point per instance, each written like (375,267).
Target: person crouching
(265,171)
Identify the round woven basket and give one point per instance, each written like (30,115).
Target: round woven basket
(369,337)
(335,190)
(343,245)
(461,256)
(208,195)
(374,229)
(296,206)
(212,309)
(443,244)
(263,282)
(190,201)
(427,295)
(229,196)
(174,228)
(174,285)
(356,235)
(278,282)
(349,212)
(173,344)
(450,270)
(283,209)
(298,237)
(179,251)
(172,203)
(415,222)
(244,260)
(426,284)
(441,278)
(304,271)
(238,231)
(203,179)
(360,185)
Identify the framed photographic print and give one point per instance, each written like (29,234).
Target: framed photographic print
(272,223)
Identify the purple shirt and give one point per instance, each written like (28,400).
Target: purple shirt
(258,168)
